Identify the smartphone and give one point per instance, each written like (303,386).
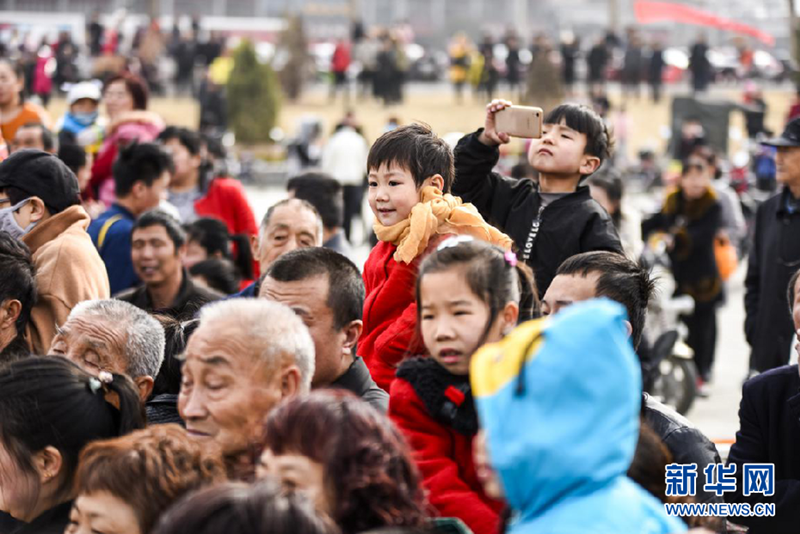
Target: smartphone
(520,121)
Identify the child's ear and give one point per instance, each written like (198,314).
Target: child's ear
(436,181)
(589,164)
(509,317)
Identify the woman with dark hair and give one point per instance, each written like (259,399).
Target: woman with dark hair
(125,484)
(238,508)
(125,97)
(348,458)
(14,111)
(209,238)
(692,218)
(50,409)
(162,406)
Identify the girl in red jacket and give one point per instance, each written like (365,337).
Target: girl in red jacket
(468,293)
(410,174)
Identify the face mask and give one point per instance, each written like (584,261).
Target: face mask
(9,224)
(85,119)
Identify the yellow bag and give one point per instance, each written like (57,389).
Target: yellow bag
(725,254)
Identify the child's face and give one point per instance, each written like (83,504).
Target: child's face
(83,106)
(452,320)
(392,194)
(560,150)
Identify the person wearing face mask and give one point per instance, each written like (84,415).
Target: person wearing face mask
(81,124)
(40,205)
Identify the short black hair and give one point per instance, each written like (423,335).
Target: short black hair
(790,295)
(139,162)
(73,156)
(48,140)
(416,148)
(19,277)
(219,273)
(188,138)
(345,285)
(621,280)
(323,192)
(157,217)
(585,120)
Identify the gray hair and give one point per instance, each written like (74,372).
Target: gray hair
(274,330)
(144,335)
(303,204)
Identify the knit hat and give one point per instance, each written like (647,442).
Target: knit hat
(43,175)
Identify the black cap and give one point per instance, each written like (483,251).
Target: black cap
(43,175)
(789,137)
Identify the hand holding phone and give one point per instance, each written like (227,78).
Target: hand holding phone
(520,121)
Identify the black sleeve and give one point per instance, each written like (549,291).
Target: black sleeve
(656,223)
(475,182)
(750,448)
(752,282)
(690,446)
(600,234)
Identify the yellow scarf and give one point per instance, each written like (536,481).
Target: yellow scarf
(437,213)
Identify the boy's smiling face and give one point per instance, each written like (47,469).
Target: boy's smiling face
(561,151)
(393,192)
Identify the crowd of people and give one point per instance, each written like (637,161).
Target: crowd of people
(168,363)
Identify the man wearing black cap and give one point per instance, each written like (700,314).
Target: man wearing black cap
(40,205)
(775,256)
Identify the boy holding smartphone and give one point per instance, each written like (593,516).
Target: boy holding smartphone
(555,218)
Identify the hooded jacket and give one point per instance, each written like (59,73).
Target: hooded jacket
(559,400)
(68,271)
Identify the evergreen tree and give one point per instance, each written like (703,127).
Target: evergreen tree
(254,96)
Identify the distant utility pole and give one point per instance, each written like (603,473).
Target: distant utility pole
(613,16)
(152,8)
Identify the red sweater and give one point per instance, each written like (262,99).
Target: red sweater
(390,314)
(444,458)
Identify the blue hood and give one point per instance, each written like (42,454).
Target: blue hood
(559,400)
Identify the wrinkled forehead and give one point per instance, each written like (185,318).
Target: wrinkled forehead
(225,345)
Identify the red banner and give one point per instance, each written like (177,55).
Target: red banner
(649,12)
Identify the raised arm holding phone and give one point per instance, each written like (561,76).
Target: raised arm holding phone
(555,218)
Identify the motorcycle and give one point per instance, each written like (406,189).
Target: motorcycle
(668,370)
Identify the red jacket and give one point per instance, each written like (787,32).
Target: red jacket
(226,200)
(390,314)
(442,454)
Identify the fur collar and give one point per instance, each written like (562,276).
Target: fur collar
(447,397)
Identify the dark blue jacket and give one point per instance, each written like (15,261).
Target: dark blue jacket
(115,246)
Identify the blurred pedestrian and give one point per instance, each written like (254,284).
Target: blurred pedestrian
(655,71)
(699,65)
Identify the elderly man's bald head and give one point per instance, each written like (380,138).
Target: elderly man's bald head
(244,358)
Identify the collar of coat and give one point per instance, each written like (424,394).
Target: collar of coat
(676,204)
(447,397)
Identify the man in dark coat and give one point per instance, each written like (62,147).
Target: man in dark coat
(775,256)
(326,291)
(158,247)
(655,70)
(769,431)
(699,65)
